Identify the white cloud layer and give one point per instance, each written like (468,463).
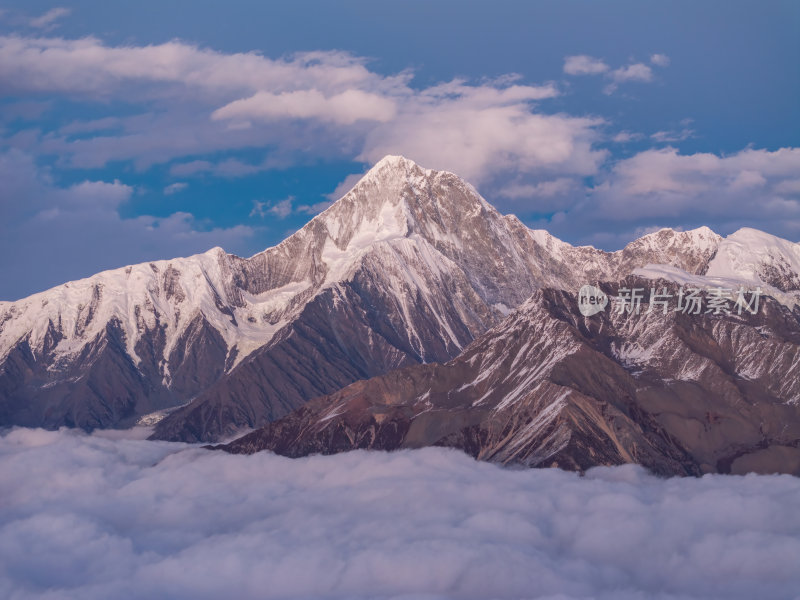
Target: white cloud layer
(484,133)
(195,101)
(204,113)
(89,68)
(667,183)
(751,188)
(88,517)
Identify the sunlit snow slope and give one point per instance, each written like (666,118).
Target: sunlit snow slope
(408,267)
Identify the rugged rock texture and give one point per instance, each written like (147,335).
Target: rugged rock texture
(413,264)
(408,267)
(681,394)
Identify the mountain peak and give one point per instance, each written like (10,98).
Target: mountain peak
(673,241)
(395,161)
(392,171)
(398,197)
(748,235)
(755,255)
(702,232)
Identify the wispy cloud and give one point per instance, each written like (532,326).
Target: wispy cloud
(661,60)
(678,134)
(637,71)
(49,19)
(632,72)
(344,108)
(543,189)
(314,209)
(624,137)
(344,186)
(583,64)
(672,136)
(281,209)
(174,188)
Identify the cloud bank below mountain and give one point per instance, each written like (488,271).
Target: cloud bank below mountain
(95,517)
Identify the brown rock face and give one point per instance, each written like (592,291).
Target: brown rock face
(680,394)
(408,267)
(445,267)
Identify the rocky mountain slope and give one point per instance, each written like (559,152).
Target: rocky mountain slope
(409,267)
(679,393)
(421,265)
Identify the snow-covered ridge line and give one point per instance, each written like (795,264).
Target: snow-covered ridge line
(247,301)
(747,258)
(170,294)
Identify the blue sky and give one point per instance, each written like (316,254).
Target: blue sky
(147,130)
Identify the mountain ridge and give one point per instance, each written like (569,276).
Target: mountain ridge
(422,245)
(547,387)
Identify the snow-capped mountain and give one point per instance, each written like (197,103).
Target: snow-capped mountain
(679,393)
(410,266)
(416,265)
(753,255)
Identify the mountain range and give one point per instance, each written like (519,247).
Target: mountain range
(411,312)
(681,394)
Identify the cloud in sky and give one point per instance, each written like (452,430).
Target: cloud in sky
(751,188)
(344,108)
(584,65)
(92,517)
(632,72)
(197,100)
(673,136)
(49,19)
(174,188)
(281,209)
(89,68)
(230,168)
(623,137)
(667,174)
(189,108)
(316,208)
(661,60)
(483,133)
(188,111)
(60,229)
(547,196)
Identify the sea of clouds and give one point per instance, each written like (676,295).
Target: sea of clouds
(107,516)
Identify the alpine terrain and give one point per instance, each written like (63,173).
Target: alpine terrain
(678,393)
(404,272)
